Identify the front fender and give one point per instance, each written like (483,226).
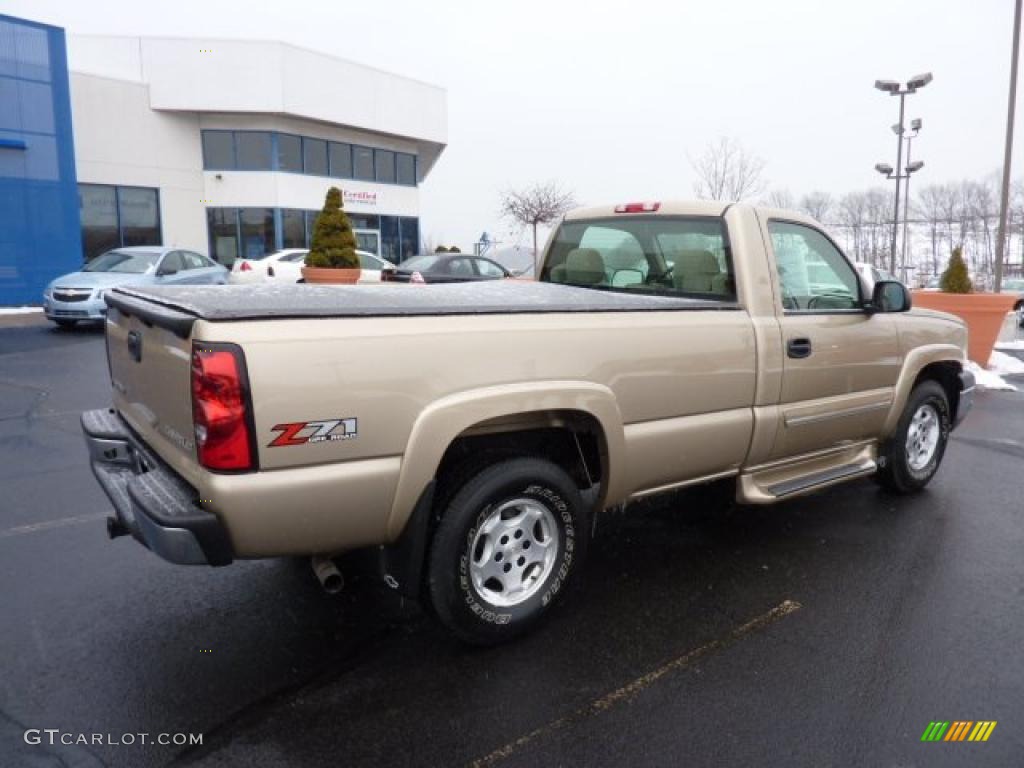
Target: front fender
(916,361)
(441,422)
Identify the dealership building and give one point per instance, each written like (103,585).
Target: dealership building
(227,147)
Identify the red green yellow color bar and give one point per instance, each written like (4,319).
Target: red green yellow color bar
(958,730)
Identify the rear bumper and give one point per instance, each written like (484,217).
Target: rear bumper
(151,501)
(966,401)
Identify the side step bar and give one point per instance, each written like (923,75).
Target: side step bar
(821,479)
(781,480)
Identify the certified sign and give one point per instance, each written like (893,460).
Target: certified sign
(360,198)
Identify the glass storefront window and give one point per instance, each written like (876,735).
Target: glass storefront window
(341,160)
(252,150)
(310,223)
(385,166)
(406,169)
(222,224)
(289,153)
(314,153)
(293,229)
(139,213)
(218,150)
(390,242)
(410,236)
(256,228)
(98,213)
(362,162)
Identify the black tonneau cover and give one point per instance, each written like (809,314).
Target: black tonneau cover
(178,306)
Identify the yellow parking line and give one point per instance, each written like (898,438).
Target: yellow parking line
(631,689)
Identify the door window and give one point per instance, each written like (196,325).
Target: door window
(173,262)
(813,274)
(487,269)
(461,268)
(193,260)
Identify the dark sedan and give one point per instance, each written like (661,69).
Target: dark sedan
(448,268)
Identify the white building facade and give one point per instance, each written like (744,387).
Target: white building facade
(228,147)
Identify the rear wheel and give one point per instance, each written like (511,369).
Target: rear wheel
(1020,314)
(509,543)
(911,457)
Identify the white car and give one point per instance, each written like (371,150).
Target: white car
(286,266)
(872,274)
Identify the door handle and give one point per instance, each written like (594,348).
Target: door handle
(798,348)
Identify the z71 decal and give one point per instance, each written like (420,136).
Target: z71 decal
(302,432)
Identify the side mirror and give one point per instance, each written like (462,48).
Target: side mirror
(890,296)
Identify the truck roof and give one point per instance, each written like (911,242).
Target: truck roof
(665,208)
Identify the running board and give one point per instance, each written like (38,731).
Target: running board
(807,474)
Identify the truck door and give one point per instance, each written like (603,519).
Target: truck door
(840,362)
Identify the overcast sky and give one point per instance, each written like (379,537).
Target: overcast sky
(611,98)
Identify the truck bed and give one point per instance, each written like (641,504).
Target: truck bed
(180,305)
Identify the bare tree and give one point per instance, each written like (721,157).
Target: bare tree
(726,171)
(817,205)
(779,198)
(533,206)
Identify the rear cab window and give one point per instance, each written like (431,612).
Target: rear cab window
(659,255)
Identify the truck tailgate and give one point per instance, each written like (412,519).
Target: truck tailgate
(150,368)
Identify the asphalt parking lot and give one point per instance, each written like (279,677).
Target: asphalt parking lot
(829,630)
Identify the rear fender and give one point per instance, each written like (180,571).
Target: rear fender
(441,422)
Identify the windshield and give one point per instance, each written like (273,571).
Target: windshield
(127,262)
(419,263)
(1013,285)
(663,255)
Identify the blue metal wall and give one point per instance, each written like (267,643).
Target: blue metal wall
(40,234)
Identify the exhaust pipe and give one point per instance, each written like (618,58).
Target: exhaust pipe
(116,528)
(327,574)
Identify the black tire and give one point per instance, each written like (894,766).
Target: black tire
(896,472)
(465,609)
(65,325)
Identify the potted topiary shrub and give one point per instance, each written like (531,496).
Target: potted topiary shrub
(984,313)
(332,256)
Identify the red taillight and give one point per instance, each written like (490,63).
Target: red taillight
(220,407)
(637,207)
(245,267)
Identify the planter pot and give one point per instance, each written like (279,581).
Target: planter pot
(331,275)
(984,314)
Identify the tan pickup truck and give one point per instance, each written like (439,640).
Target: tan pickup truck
(470,432)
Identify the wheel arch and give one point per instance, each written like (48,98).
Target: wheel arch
(937,362)
(499,414)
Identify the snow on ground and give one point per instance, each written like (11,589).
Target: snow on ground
(1005,364)
(1017,344)
(988,379)
(19,310)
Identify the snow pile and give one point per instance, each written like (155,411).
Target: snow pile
(1018,344)
(19,310)
(988,379)
(1005,365)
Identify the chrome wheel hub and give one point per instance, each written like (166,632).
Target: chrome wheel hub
(513,552)
(923,437)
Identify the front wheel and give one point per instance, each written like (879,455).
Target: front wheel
(510,542)
(912,455)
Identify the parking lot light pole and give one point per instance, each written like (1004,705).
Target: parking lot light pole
(915,128)
(1004,193)
(893,88)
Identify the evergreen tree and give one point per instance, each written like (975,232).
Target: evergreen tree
(955,279)
(334,242)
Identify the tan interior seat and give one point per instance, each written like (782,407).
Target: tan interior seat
(584,266)
(698,271)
